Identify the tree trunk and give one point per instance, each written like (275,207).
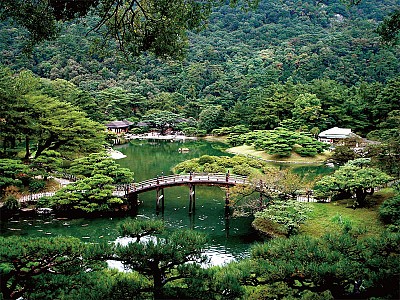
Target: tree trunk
(43,147)
(158,284)
(27,149)
(360,196)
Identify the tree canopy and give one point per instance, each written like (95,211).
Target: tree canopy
(156,26)
(354,177)
(44,266)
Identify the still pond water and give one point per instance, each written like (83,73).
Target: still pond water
(228,240)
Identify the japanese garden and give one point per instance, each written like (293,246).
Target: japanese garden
(188,149)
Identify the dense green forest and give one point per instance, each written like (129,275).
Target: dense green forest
(272,76)
(248,66)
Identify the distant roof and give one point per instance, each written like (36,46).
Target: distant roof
(142,124)
(336,132)
(119,124)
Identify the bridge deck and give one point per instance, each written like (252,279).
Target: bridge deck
(160,182)
(183,179)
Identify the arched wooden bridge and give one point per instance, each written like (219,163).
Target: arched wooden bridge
(219,179)
(132,190)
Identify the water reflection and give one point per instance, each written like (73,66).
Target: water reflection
(229,239)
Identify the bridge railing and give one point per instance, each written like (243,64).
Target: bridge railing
(160,180)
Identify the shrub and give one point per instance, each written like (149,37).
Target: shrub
(201,132)
(224,161)
(190,131)
(289,214)
(389,211)
(306,151)
(187,166)
(139,130)
(206,159)
(243,169)
(44,202)
(235,139)
(238,160)
(213,168)
(269,228)
(255,163)
(36,185)
(11,203)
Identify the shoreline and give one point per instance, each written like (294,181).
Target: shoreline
(156,136)
(243,150)
(250,152)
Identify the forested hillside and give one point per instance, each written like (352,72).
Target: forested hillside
(247,67)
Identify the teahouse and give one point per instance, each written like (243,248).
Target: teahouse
(339,136)
(119,126)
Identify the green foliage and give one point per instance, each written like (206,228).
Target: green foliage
(48,162)
(242,169)
(123,285)
(161,119)
(386,155)
(188,166)
(190,131)
(137,27)
(43,202)
(91,194)
(239,129)
(214,168)
(138,228)
(163,260)
(64,128)
(30,267)
(340,264)
(206,159)
(12,172)
(352,179)
(343,154)
(102,164)
(211,118)
(282,217)
(36,185)
(11,203)
(220,164)
(307,111)
(216,283)
(389,212)
(46,122)
(389,29)
(280,141)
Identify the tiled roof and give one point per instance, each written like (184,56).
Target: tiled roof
(336,132)
(119,124)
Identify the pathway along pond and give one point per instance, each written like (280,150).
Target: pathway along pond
(148,159)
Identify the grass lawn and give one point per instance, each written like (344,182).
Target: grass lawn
(326,217)
(296,158)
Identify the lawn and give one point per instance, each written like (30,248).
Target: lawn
(327,217)
(294,158)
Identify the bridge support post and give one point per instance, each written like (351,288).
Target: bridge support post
(133,202)
(227,211)
(192,198)
(227,200)
(160,199)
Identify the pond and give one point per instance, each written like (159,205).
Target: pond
(148,159)
(228,239)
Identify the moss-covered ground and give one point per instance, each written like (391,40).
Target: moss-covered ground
(249,150)
(329,217)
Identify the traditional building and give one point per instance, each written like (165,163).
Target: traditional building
(339,136)
(119,127)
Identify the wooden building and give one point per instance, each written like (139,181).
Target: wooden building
(340,136)
(119,127)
